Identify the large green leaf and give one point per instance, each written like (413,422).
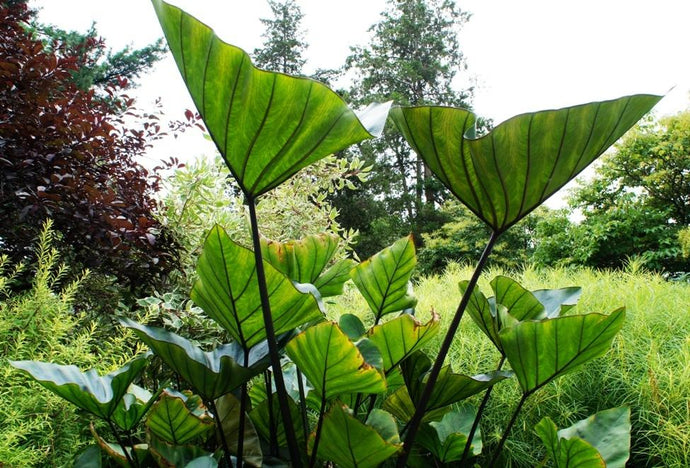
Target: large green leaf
(400,337)
(518,301)
(350,443)
(451,387)
(211,374)
(178,418)
(608,431)
(228,291)
(540,351)
(229,413)
(87,390)
(332,363)
(504,175)
(383,279)
(305,261)
(568,453)
(266,125)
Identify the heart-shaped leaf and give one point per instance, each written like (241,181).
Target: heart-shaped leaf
(568,453)
(228,292)
(350,443)
(98,395)
(400,337)
(383,279)
(212,373)
(332,363)
(266,125)
(504,175)
(540,351)
(178,418)
(518,301)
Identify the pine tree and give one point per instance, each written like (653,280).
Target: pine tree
(413,58)
(283,39)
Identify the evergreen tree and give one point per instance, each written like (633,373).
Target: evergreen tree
(413,58)
(283,39)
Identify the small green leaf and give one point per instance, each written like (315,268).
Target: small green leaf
(332,281)
(447,438)
(228,292)
(351,444)
(178,418)
(266,125)
(558,301)
(383,279)
(212,373)
(264,424)
(384,423)
(370,353)
(89,458)
(504,175)
(540,351)
(402,336)
(98,395)
(229,413)
(352,326)
(167,455)
(332,363)
(133,405)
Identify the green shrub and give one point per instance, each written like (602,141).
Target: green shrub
(647,369)
(40,429)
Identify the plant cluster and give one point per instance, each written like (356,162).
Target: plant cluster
(292,387)
(40,323)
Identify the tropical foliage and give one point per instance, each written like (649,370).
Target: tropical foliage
(290,386)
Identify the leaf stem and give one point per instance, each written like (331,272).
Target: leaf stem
(120,442)
(478,417)
(502,442)
(317,437)
(221,433)
(271,338)
(413,425)
(303,406)
(273,434)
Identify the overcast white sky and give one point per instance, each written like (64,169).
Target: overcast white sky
(523,55)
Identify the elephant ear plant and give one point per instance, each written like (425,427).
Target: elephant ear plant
(293,388)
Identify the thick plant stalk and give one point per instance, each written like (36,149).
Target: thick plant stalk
(415,422)
(271,338)
(303,405)
(273,429)
(477,419)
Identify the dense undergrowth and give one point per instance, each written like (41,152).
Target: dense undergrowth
(648,367)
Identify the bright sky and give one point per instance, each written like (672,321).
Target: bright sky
(523,55)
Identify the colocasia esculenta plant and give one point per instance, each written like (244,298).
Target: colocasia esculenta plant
(292,388)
